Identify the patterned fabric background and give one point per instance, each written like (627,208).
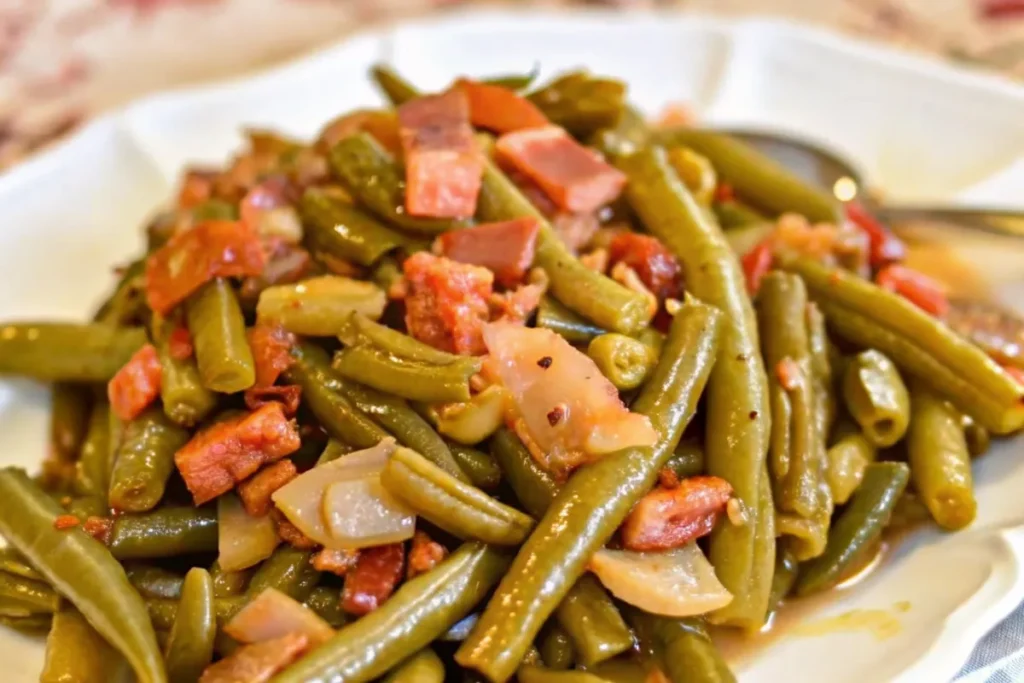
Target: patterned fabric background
(64,60)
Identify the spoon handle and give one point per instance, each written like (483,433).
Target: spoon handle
(996,221)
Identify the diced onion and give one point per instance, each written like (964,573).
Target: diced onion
(272,614)
(242,540)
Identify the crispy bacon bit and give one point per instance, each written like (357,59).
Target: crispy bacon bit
(499,109)
(506,247)
(424,554)
(885,247)
(657,267)
(271,351)
(382,125)
(919,289)
(291,534)
(518,305)
(288,396)
(99,528)
(179,343)
(255,491)
(573,176)
(196,188)
(446,302)
(667,478)
(669,518)
(756,264)
(225,453)
(373,579)
(258,662)
(66,522)
(335,561)
(191,259)
(443,166)
(136,384)
(789,373)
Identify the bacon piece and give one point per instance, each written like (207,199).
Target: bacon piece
(291,534)
(382,125)
(225,453)
(255,491)
(672,517)
(99,528)
(575,177)
(179,343)
(191,259)
(136,384)
(271,351)
(288,396)
(499,109)
(446,302)
(506,248)
(336,561)
(196,187)
(650,259)
(921,290)
(373,579)
(517,305)
(885,247)
(443,166)
(258,662)
(424,554)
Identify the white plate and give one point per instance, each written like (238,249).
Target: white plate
(920,129)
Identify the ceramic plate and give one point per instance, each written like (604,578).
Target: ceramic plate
(919,129)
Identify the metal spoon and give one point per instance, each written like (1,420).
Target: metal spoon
(825,168)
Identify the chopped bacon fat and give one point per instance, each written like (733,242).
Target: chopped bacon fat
(258,662)
(573,176)
(650,259)
(506,247)
(225,453)
(291,534)
(191,259)
(335,561)
(499,109)
(255,491)
(672,517)
(424,554)
(136,384)
(446,302)
(443,166)
(271,351)
(372,581)
(289,396)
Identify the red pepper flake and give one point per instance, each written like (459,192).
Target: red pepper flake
(66,522)
(136,384)
(99,528)
(545,362)
(505,248)
(499,109)
(373,579)
(179,343)
(916,287)
(557,414)
(756,264)
(789,373)
(669,518)
(884,247)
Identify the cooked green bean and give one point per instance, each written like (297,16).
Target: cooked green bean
(394,87)
(289,570)
(21,596)
(481,469)
(592,622)
(556,649)
(696,172)
(163,613)
(34,625)
(154,582)
(624,670)
(92,471)
(821,371)
(532,484)
(584,291)
(359,329)
(581,103)
(978,439)
(190,645)
(849,455)
(423,667)
(218,337)
(76,653)
(786,569)
(858,527)
(571,327)
(876,397)
(145,461)
(386,273)
(405,378)
(460,509)
(629,134)
(872,317)
(13,562)
(126,305)
(807,536)
(376,181)
(738,422)
(67,352)
(756,178)
(69,420)
(743,240)
(326,602)
(228,584)
(320,306)
(733,214)
(625,361)
(165,532)
(594,502)
(345,232)
(532,673)
(420,611)
(683,647)
(473,421)
(940,464)
(185,400)
(688,459)
(81,570)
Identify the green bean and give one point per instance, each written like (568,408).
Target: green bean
(623,670)
(69,420)
(326,602)
(163,613)
(405,378)
(742,240)
(218,335)
(594,502)
(821,371)
(756,178)
(92,471)
(629,134)
(185,400)
(696,172)
(336,414)
(34,625)
(538,674)
(556,648)
(145,461)
(423,667)
(584,291)
(625,361)
(807,536)
(978,439)
(420,611)
(386,273)
(289,570)
(154,582)
(394,87)
(876,397)
(227,584)
(532,484)
(514,81)
(581,103)
(190,646)
(592,622)
(88,506)
(21,596)
(13,562)
(738,422)
(81,570)
(858,527)
(76,653)
(688,459)
(460,509)
(571,327)
(683,647)
(343,231)
(481,469)
(126,304)
(213,210)
(375,180)
(359,329)
(319,306)
(473,421)
(67,352)
(848,457)
(733,214)
(166,532)
(872,317)
(940,464)
(786,569)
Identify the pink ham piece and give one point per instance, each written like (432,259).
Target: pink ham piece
(505,248)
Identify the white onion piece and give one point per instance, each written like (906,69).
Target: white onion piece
(242,540)
(360,513)
(677,583)
(272,614)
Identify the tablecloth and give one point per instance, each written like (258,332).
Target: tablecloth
(62,61)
